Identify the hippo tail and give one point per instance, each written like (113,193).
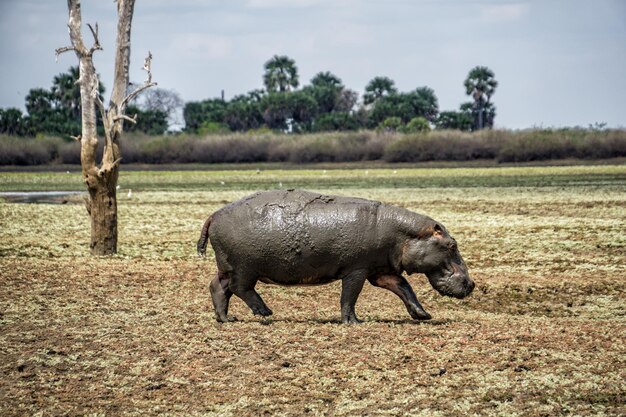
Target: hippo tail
(204,237)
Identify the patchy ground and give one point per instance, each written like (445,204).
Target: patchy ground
(543,334)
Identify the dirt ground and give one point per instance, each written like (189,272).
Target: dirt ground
(543,334)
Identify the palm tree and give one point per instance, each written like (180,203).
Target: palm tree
(326,89)
(481,85)
(378,87)
(424,103)
(66,90)
(326,79)
(281,74)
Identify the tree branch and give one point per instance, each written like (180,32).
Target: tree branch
(147,66)
(107,123)
(96,97)
(106,167)
(135,93)
(74,25)
(96,45)
(95,92)
(133,119)
(122,53)
(103,112)
(62,50)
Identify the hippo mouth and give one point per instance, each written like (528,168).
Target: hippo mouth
(452,282)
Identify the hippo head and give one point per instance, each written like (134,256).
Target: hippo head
(435,253)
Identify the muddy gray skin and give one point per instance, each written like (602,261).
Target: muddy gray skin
(295,237)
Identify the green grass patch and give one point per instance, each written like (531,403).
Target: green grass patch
(363,178)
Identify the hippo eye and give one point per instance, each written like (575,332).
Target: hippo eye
(452,246)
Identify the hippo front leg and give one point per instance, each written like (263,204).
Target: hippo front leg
(400,286)
(351,287)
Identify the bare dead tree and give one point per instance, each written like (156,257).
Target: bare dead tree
(101,178)
(166,101)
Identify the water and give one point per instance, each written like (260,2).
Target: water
(39,197)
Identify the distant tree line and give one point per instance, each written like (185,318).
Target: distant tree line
(325,104)
(57,111)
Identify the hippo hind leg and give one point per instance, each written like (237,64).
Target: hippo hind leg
(220,294)
(401,287)
(242,285)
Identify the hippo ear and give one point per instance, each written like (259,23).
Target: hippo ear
(432,230)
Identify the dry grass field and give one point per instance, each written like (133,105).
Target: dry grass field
(543,334)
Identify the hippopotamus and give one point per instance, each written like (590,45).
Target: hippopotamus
(295,237)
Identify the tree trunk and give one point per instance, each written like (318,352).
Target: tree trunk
(103,213)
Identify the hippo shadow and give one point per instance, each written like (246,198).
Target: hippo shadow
(435,322)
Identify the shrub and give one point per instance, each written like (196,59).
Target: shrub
(213,128)
(417,125)
(609,144)
(334,147)
(336,121)
(447,145)
(545,144)
(232,148)
(27,151)
(69,152)
(390,124)
(316,149)
(264,146)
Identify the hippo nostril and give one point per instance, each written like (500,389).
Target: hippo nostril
(470,287)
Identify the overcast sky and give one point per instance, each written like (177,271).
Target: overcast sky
(558,62)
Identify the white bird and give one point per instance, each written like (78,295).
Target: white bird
(222,182)
(280,185)
(130,193)
(117,187)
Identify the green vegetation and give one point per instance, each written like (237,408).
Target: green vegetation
(378,88)
(57,111)
(543,333)
(281,74)
(327,105)
(256,179)
(417,125)
(323,105)
(480,84)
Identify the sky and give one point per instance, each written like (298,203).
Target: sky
(558,62)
